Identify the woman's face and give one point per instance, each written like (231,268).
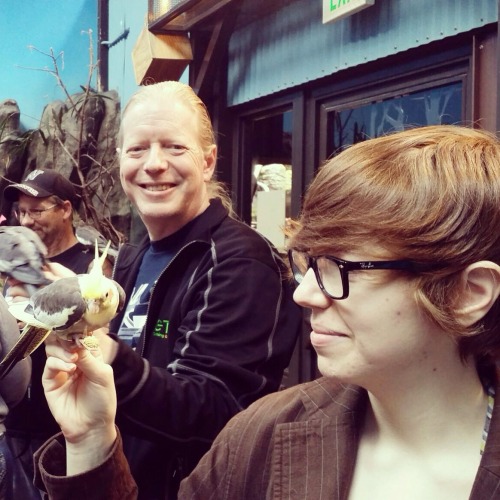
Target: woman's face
(377,332)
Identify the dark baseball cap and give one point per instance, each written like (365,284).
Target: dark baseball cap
(40,184)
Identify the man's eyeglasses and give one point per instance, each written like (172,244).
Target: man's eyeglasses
(332,274)
(34,213)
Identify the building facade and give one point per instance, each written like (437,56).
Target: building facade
(286,91)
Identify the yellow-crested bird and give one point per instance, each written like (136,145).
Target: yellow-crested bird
(71,307)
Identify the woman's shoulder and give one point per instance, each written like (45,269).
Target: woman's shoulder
(319,398)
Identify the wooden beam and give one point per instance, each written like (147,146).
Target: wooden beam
(187,16)
(202,76)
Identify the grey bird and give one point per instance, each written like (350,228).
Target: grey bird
(23,256)
(88,235)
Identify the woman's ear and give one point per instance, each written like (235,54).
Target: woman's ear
(480,289)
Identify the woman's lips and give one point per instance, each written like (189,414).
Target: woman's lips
(321,338)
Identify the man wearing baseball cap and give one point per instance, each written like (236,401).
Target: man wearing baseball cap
(44,201)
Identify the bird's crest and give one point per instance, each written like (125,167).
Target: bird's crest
(92,283)
(101,259)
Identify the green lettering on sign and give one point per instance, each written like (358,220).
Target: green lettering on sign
(334,10)
(336,4)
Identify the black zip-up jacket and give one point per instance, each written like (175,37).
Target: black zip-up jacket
(220,330)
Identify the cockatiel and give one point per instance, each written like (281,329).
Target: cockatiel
(70,307)
(22,256)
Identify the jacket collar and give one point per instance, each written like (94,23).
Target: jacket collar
(201,227)
(330,435)
(323,399)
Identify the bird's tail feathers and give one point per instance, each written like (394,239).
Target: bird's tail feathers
(31,337)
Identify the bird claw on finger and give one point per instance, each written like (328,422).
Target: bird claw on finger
(90,343)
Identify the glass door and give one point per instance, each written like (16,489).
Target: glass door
(271,176)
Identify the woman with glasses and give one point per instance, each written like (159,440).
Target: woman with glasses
(396,255)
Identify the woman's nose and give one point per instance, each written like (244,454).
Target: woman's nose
(309,294)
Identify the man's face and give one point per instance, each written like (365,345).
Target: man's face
(163,168)
(47,224)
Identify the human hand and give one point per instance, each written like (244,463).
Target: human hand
(18,291)
(81,395)
(108,348)
(54,271)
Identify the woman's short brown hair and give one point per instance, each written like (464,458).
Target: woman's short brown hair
(429,194)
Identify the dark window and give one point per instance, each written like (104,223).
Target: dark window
(438,105)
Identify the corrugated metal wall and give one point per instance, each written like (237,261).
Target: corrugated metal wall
(292,46)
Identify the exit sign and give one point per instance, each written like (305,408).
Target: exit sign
(333,10)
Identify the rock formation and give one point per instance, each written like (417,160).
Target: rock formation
(76,137)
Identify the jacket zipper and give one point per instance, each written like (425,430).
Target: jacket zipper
(154,287)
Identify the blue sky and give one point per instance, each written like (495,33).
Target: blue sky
(46,25)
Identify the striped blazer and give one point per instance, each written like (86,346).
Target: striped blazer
(301,444)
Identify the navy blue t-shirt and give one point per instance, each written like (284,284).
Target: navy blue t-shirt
(156,258)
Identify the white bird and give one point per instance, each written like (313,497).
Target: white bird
(71,307)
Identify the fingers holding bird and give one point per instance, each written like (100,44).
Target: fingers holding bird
(69,359)
(74,361)
(59,367)
(79,388)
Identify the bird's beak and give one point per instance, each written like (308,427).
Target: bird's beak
(93,306)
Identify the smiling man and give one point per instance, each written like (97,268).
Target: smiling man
(210,323)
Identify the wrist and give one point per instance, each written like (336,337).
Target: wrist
(90,451)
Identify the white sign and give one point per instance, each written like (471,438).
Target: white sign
(271,208)
(333,10)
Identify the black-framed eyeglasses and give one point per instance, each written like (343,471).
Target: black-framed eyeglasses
(332,274)
(34,213)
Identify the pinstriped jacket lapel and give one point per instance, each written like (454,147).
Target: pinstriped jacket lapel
(327,440)
(302,444)
(328,436)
